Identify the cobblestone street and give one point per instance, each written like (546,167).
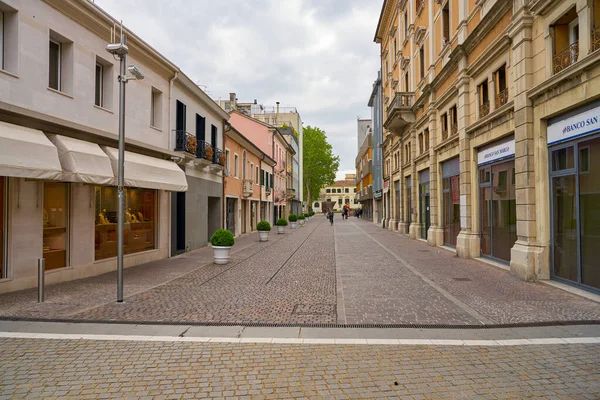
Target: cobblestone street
(352,273)
(139,370)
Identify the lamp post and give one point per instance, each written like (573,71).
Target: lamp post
(119,51)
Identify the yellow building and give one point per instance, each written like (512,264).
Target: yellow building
(339,193)
(491,121)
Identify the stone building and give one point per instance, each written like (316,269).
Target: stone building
(364,176)
(340,194)
(491,128)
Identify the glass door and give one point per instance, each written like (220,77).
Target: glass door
(424,209)
(504,210)
(565,227)
(485,209)
(451,209)
(55,224)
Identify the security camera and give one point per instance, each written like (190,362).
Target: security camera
(118,49)
(137,74)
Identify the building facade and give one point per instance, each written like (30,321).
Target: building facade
(58,145)
(197,134)
(339,194)
(364,176)
(375,103)
(245,202)
(490,129)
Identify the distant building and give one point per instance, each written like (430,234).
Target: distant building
(338,194)
(364,176)
(375,102)
(363,127)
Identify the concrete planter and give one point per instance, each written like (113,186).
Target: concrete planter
(294,225)
(302,222)
(280,229)
(263,236)
(221,254)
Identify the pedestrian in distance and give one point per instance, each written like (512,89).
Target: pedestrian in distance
(331,217)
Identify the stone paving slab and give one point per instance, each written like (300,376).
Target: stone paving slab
(37,368)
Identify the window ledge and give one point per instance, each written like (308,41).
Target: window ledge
(10,73)
(61,93)
(422,156)
(155,128)
(103,109)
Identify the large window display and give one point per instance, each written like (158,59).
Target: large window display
(451,200)
(140,217)
(424,215)
(55,224)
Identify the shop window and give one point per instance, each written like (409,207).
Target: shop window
(55,224)
(9,29)
(140,215)
(565,33)
(484,101)
(60,63)
(584,160)
(501,88)
(444,126)
(155,108)
(563,159)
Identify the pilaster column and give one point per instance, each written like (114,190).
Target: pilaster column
(468,241)
(414,230)
(435,235)
(526,254)
(584,18)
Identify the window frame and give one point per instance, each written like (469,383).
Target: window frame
(58,67)
(99,85)
(236,159)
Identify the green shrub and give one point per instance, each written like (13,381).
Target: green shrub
(222,237)
(301,216)
(263,226)
(293,218)
(281,222)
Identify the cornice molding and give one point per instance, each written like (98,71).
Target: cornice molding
(497,47)
(490,20)
(541,7)
(387,10)
(492,120)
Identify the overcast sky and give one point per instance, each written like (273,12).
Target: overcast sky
(315,55)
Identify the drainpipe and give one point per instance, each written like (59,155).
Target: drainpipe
(171,83)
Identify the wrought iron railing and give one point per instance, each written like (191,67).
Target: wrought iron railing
(453,129)
(502,98)
(218,157)
(444,134)
(185,142)
(565,57)
(205,151)
(484,109)
(596,39)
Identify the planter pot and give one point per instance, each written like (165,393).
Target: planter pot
(263,236)
(221,254)
(301,222)
(280,229)
(293,225)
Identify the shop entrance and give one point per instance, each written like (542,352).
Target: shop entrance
(408,203)
(425,220)
(575,190)
(451,200)
(498,209)
(230,215)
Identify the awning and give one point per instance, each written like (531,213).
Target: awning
(148,172)
(27,153)
(83,161)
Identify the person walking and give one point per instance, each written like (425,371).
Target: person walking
(330,217)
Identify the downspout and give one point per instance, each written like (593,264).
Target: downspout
(171,82)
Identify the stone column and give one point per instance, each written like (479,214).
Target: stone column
(584,18)
(435,235)
(414,230)
(393,225)
(468,241)
(527,254)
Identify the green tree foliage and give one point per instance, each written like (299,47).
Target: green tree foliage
(320,164)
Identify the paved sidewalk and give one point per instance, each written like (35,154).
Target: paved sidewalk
(82,369)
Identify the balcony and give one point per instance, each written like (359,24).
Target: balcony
(291,194)
(247,187)
(185,142)
(484,109)
(219,157)
(205,151)
(400,112)
(565,58)
(502,98)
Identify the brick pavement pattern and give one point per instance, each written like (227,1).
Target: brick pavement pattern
(37,368)
(314,274)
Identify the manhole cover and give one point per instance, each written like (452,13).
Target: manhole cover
(314,309)
(462,279)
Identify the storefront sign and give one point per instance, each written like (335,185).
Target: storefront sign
(577,125)
(386,186)
(496,152)
(378,194)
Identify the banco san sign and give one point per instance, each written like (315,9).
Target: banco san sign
(578,125)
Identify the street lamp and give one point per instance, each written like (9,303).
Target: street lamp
(119,51)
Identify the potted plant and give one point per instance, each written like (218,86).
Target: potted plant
(208,153)
(281,224)
(293,218)
(221,241)
(301,219)
(263,228)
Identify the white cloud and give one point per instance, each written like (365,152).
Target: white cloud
(315,55)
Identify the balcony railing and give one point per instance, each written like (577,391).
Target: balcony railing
(566,57)
(219,157)
(185,142)
(484,109)
(453,129)
(596,39)
(444,134)
(205,151)
(502,98)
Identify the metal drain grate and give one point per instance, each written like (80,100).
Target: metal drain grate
(462,279)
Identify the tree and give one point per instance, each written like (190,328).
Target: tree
(320,164)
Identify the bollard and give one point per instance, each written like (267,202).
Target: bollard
(41,276)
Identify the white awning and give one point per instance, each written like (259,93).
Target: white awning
(149,172)
(27,153)
(83,161)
